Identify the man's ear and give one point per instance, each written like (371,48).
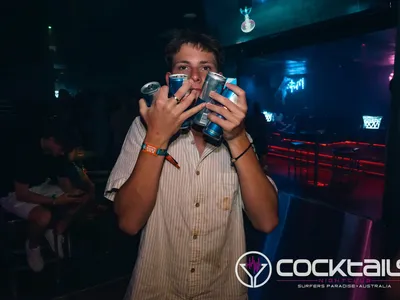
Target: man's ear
(167,77)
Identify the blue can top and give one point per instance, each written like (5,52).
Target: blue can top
(178,77)
(150,88)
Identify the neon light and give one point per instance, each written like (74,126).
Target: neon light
(269,116)
(295,85)
(372,122)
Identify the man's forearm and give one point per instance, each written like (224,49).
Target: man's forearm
(259,195)
(136,198)
(34,198)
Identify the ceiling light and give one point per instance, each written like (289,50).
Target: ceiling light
(248,24)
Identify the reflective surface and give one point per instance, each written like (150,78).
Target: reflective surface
(311,230)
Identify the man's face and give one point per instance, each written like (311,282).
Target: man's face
(194,62)
(54,148)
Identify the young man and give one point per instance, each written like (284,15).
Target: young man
(34,198)
(192,216)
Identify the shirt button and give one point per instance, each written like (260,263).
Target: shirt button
(197,204)
(195,237)
(192,270)
(197,172)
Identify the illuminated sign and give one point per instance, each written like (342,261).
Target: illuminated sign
(269,116)
(295,85)
(372,122)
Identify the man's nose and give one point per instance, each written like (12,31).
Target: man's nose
(195,76)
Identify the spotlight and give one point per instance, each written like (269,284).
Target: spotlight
(248,24)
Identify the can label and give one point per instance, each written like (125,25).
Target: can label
(214,82)
(204,117)
(213,130)
(175,83)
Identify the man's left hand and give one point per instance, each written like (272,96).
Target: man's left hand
(234,114)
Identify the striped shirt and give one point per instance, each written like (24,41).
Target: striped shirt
(194,236)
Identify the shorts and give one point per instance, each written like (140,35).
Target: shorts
(23,209)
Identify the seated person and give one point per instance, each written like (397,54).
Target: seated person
(77,173)
(34,198)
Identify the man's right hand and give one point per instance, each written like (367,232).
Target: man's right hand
(66,199)
(166,115)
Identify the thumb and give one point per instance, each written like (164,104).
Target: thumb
(143,108)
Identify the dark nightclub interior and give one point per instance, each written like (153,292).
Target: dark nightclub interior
(323,113)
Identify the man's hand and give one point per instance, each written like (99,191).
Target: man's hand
(166,115)
(234,114)
(65,199)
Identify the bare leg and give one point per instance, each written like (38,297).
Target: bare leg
(71,214)
(39,218)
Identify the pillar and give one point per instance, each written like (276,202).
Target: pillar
(391,199)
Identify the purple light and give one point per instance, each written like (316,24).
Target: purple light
(391,76)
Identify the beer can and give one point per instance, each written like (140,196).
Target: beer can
(213,82)
(149,90)
(212,130)
(175,83)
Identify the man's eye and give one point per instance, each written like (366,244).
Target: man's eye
(207,68)
(182,67)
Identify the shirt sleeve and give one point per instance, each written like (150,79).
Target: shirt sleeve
(127,159)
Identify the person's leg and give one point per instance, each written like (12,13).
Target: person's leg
(56,243)
(70,213)
(62,218)
(38,219)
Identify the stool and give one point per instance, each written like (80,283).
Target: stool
(12,246)
(300,161)
(345,166)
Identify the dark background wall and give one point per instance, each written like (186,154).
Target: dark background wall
(343,79)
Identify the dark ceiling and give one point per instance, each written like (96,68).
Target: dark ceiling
(106,34)
(102,31)
(375,49)
(277,16)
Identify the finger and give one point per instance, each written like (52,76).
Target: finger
(190,112)
(225,124)
(185,88)
(227,103)
(222,111)
(186,102)
(161,96)
(143,107)
(242,102)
